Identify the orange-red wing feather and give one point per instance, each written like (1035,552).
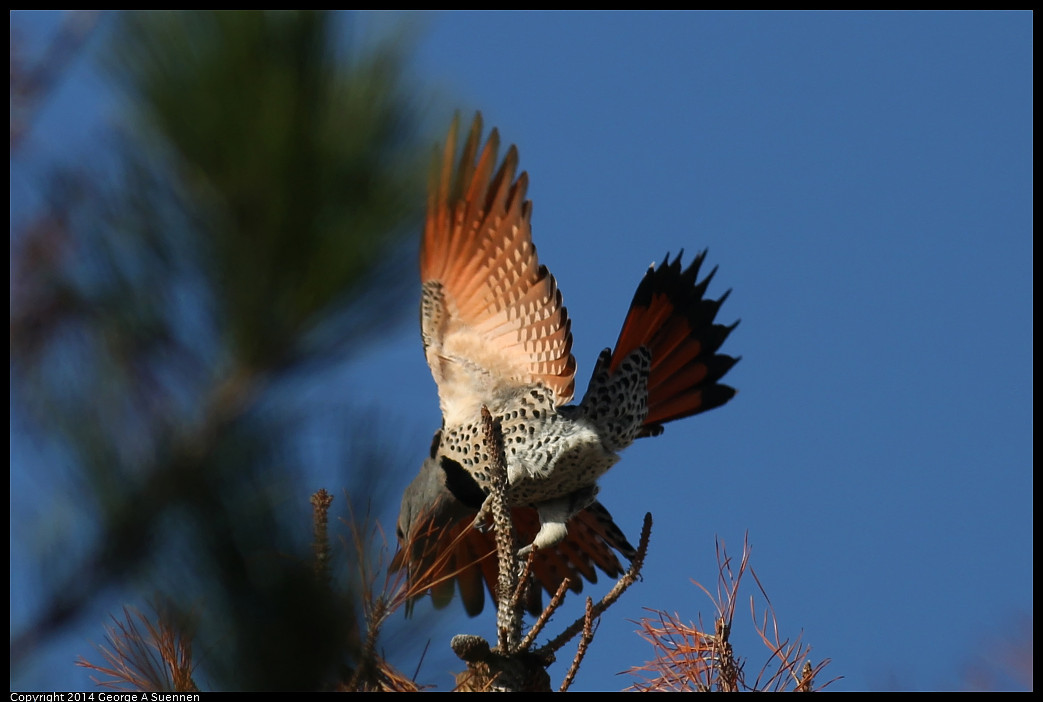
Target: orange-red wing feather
(672,318)
(492,317)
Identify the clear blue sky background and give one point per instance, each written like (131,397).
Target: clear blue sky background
(864,182)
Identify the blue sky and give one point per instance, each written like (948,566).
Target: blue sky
(864,182)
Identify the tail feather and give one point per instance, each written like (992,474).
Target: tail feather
(442,553)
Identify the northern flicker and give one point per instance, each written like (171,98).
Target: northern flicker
(496,334)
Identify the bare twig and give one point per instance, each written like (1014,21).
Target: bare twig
(625,581)
(581,649)
(807,678)
(508,616)
(320,503)
(545,615)
(728,669)
(510,666)
(524,582)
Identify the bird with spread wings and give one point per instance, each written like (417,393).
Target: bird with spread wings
(497,335)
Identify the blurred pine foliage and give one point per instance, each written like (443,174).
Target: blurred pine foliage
(247,229)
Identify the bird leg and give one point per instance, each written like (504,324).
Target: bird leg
(484,511)
(555,514)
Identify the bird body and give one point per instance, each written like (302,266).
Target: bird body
(496,335)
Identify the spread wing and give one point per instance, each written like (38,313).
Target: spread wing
(492,318)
